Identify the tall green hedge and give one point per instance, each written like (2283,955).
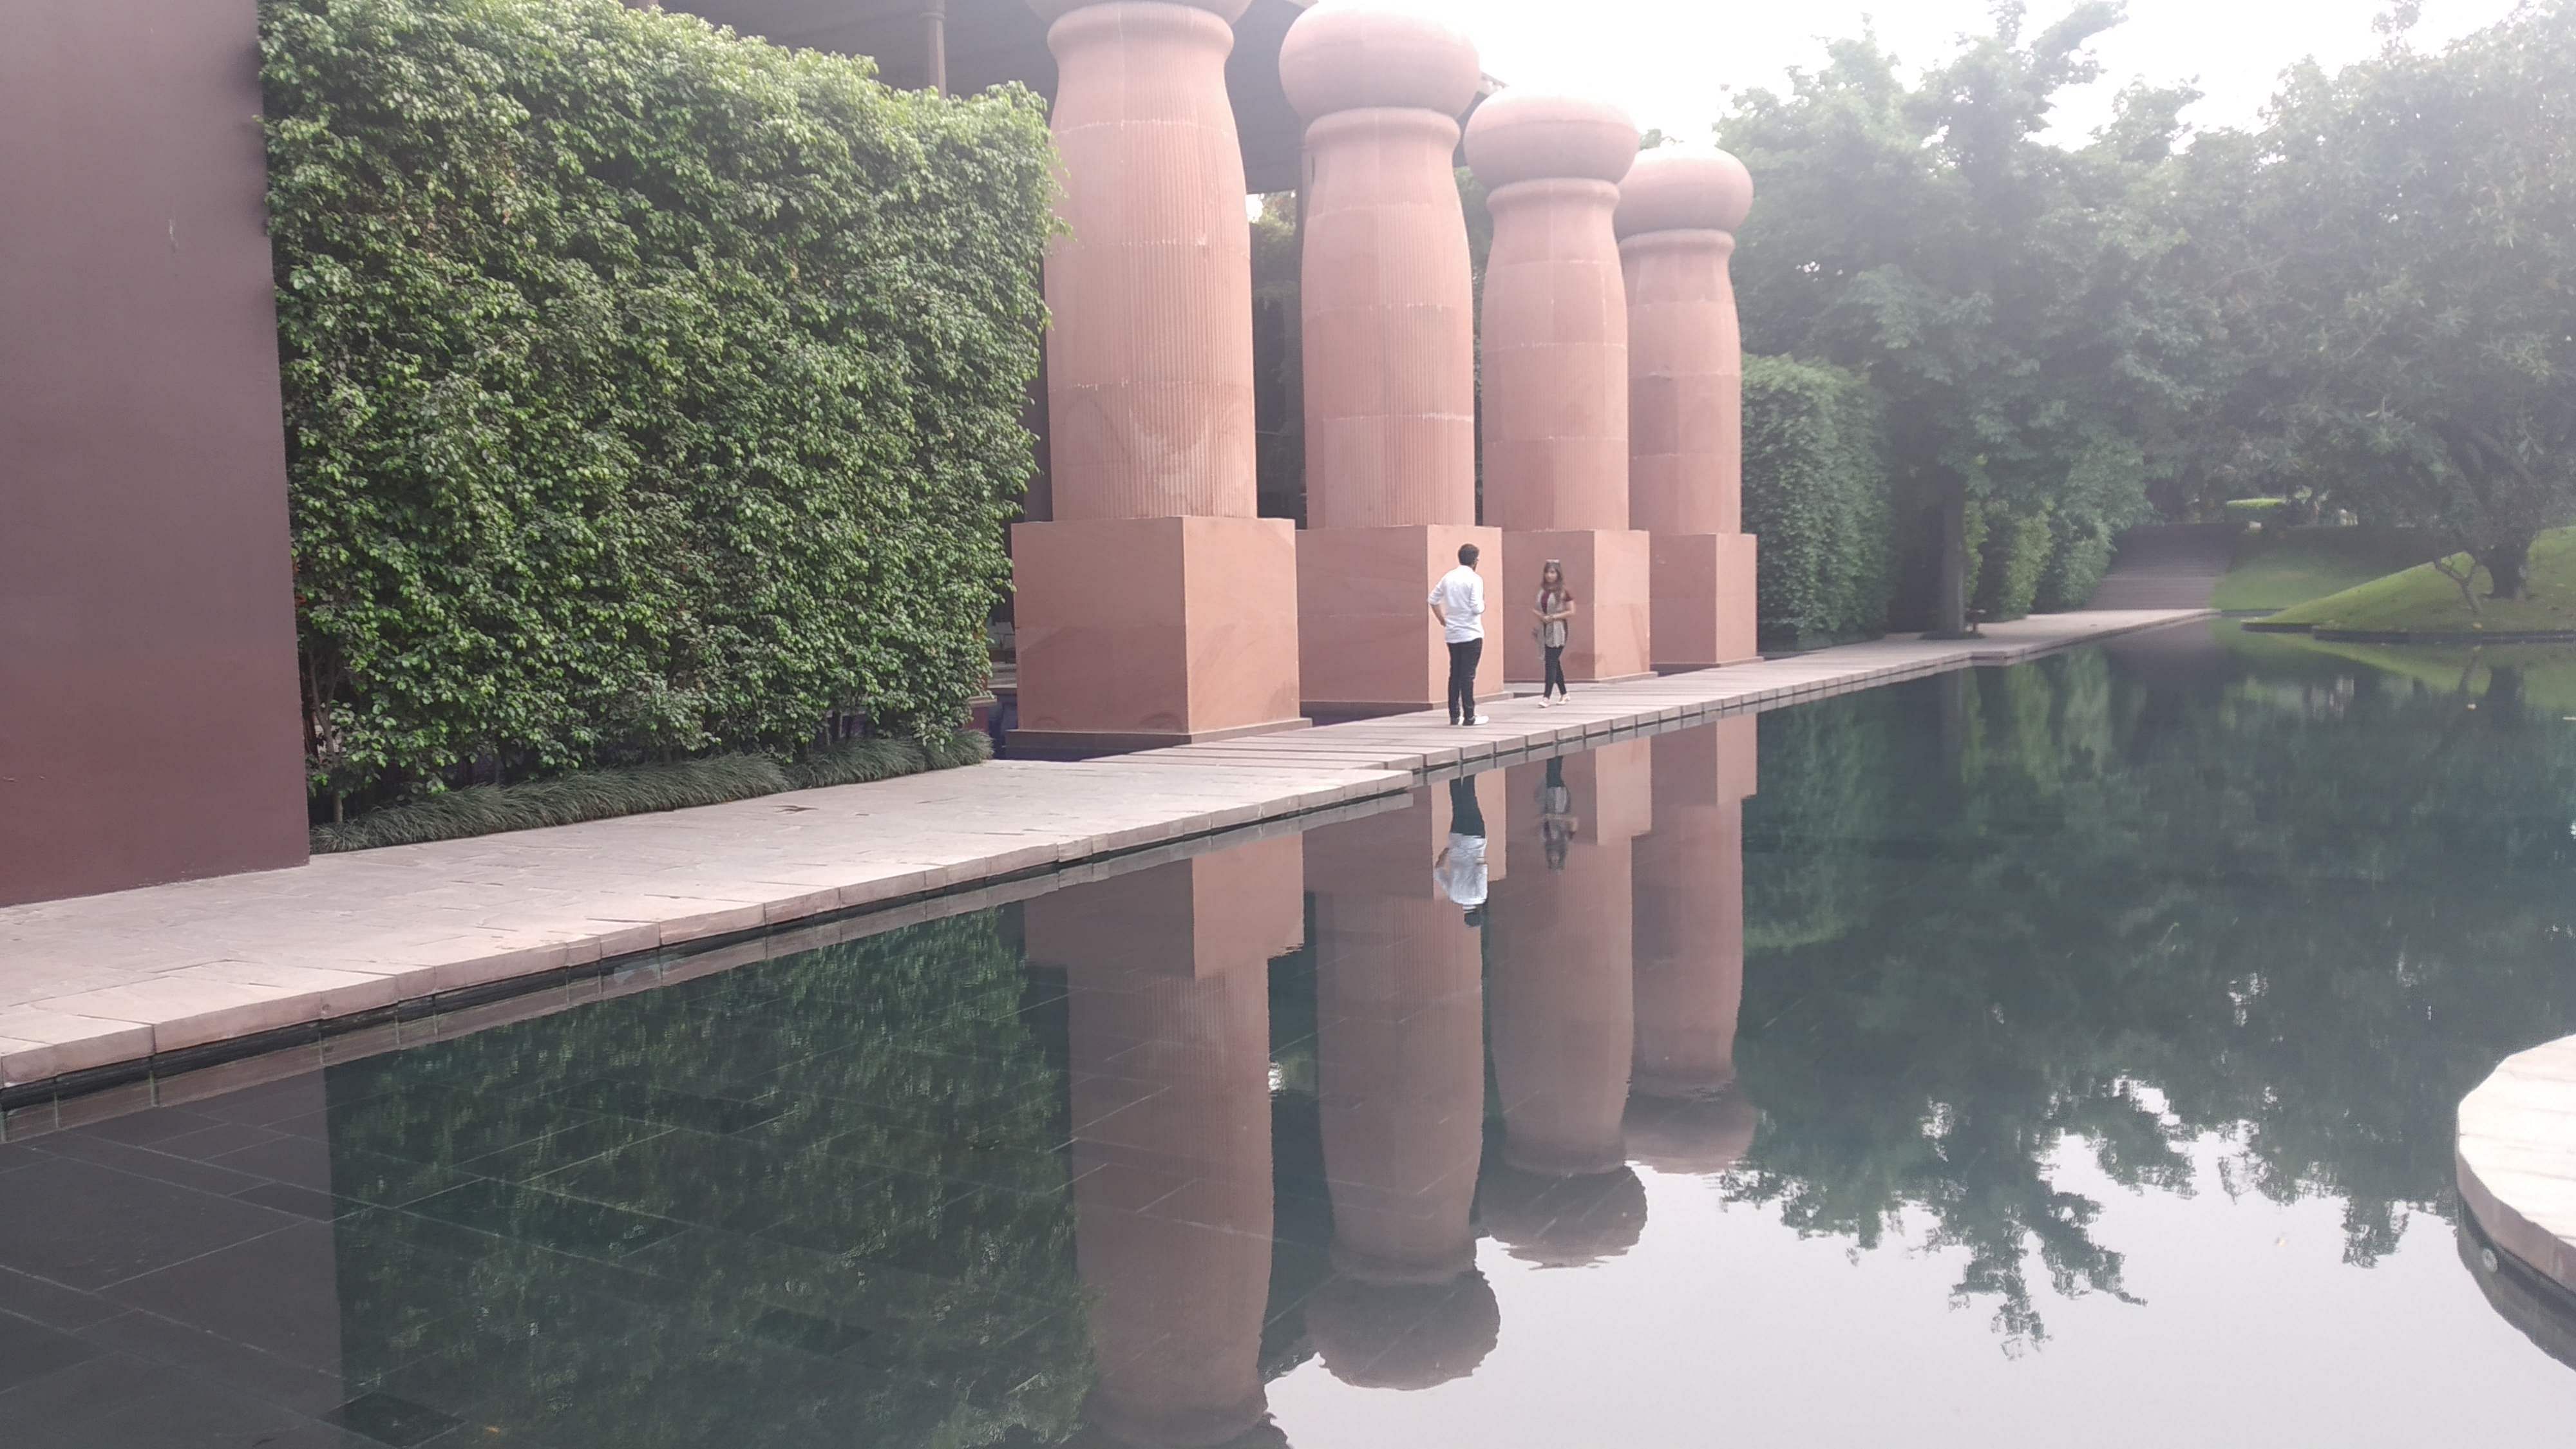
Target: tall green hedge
(2014,558)
(1816,491)
(649,390)
(2079,555)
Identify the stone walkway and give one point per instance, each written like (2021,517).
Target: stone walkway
(107,981)
(2168,566)
(2517,1158)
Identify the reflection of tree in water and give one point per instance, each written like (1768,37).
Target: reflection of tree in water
(1996,910)
(856,1145)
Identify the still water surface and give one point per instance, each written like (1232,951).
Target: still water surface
(2035,1056)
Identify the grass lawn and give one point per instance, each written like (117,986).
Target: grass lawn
(2421,601)
(2280,567)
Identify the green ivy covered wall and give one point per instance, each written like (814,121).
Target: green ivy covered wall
(650,391)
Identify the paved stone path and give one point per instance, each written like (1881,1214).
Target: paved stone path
(2517,1158)
(109,980)
(2167,566)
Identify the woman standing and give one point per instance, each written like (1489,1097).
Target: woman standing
(1555,607)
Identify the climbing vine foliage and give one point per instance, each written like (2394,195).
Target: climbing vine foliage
(650,390)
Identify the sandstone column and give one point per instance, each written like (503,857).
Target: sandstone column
(1678,214)
(1169,1025)
(1556,377)
(1685,1114)
(1390,353)
(1152,608)
(1400,1055)
(1564,1004)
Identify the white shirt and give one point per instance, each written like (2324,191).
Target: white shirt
(1462,871)
(1460,596)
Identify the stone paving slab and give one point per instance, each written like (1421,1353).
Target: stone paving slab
(2517,1158)
(106,980)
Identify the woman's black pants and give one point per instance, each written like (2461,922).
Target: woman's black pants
(1555,670)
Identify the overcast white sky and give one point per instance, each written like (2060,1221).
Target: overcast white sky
(1670,61)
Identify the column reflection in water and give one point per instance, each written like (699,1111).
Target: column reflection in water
(1169,1024)
(1564,1008)
(1686,1114)
(1400,902)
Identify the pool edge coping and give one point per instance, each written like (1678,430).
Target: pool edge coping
(1654,704)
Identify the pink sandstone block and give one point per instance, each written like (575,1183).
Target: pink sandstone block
(46,1043)
(500,965)
(186,1012)
(1704,601)
(1367,644)
(1138,633)
(704,924)
(338,993)
(1611,576)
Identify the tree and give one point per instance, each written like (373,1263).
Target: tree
(2403,277)
(1997,289)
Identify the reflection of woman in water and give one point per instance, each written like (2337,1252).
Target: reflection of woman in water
(1555,814)
(1460,866)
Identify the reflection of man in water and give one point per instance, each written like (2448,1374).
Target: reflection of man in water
(1460,866)
(1555,814)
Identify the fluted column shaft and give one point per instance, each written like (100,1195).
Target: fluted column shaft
(1389,324)
(1556,359)
(1149,358)
(1685,384)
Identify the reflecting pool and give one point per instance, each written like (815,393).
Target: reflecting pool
(2062,1054)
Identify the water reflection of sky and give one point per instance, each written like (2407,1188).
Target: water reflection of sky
(1722,1328)
(2055,1054)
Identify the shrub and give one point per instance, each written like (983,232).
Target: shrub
(1816,487)
(2079,555)
(2014,555)
(2246,512)
(650,391)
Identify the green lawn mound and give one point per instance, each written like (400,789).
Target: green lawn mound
(2420,602)
(2281,567)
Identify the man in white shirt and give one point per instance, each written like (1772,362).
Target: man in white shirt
(1458,602)
(1460,866)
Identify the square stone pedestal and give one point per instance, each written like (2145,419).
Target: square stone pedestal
(1611,574)
(1704,600)
(1367,644)
(1136,633)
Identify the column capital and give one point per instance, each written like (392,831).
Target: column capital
(1228,11)
(1348,57)
(1524,135)
(1672,190)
